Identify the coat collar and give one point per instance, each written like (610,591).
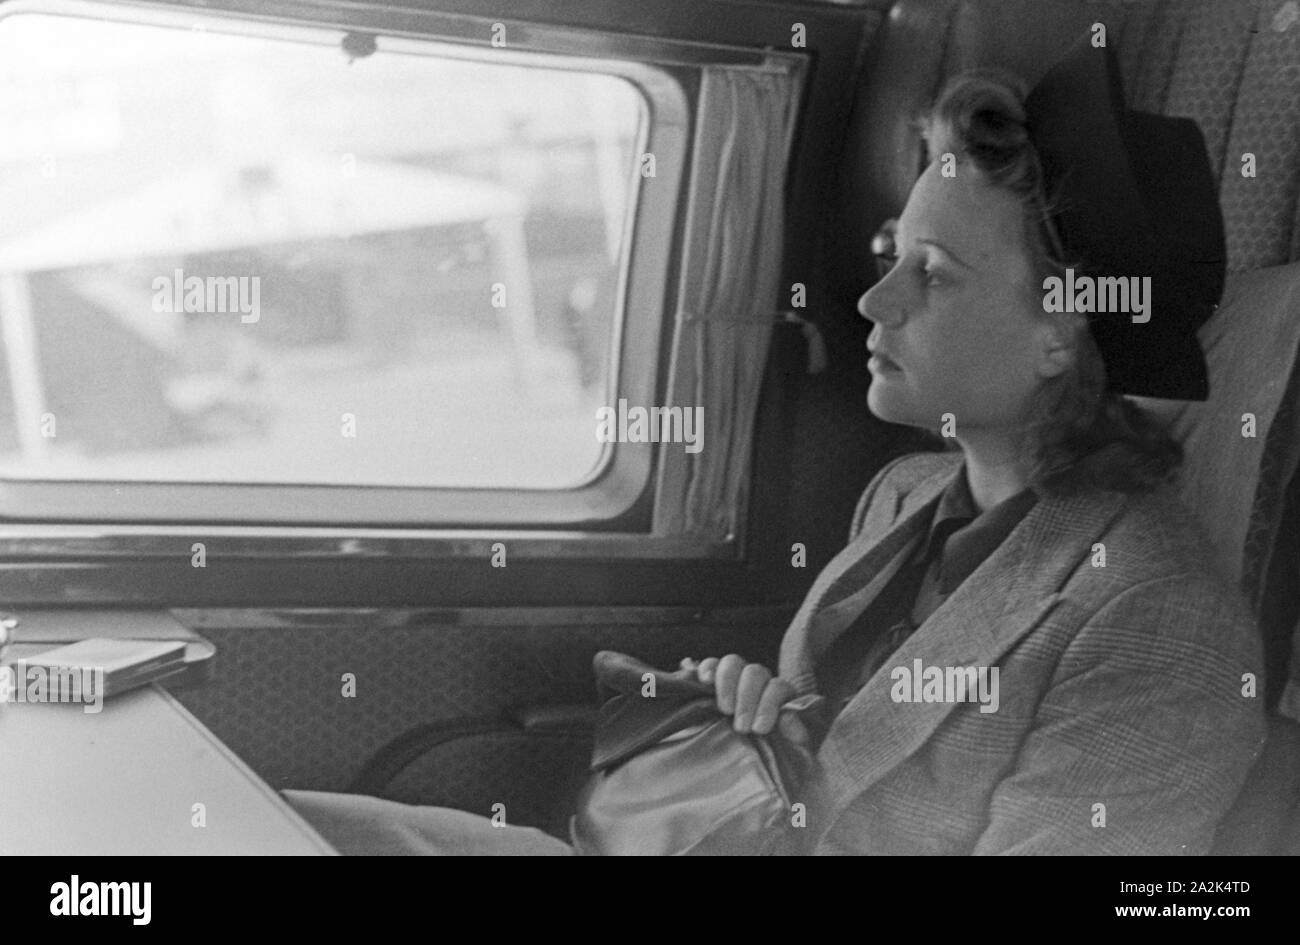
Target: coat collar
(1000,602)
(857,575)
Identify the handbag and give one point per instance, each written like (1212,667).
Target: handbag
(672,777)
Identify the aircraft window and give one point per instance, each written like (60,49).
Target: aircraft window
(321,259)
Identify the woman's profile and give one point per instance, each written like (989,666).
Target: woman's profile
(1022,648)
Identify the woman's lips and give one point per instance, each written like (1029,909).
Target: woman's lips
(879,364)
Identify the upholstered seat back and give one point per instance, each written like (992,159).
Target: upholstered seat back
(1234,67)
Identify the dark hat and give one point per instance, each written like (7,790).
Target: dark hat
(1132,194)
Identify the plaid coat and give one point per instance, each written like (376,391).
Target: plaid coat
(1124,723)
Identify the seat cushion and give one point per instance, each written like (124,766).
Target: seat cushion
(1266,817)
(1242,446)
(1236,468)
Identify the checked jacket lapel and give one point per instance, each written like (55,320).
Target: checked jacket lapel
(855,577)
(996,606)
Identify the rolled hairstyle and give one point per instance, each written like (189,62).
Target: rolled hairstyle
(1080,434)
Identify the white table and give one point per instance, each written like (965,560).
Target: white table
(125,781)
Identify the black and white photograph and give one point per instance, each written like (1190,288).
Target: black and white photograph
(646,428)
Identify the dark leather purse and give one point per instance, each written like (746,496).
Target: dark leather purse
(671,776)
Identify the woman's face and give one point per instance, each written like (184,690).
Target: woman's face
(960,314)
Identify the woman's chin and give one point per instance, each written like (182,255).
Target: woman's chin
(886,405)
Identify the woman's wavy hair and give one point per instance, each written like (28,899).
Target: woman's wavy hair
(1080,435)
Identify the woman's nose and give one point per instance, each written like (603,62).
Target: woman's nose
(881,303)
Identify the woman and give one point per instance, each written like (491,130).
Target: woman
(1021,647)
(1114,712)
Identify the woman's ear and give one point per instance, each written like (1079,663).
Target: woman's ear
(1059,348)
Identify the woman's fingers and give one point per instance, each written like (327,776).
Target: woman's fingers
(749,693)
(777,694)
(728,674)
(704,672)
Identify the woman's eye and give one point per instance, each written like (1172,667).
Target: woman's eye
(884,263)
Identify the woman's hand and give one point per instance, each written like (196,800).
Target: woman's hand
(746,691)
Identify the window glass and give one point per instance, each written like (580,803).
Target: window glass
(261,259)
